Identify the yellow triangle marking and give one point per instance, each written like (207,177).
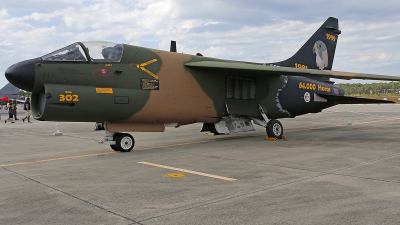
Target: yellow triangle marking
(142,65)
(148,62)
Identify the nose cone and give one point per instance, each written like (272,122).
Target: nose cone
(22,74)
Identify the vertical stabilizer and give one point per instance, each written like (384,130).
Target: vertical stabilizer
(319,51)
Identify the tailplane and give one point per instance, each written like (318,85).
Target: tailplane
(318,52)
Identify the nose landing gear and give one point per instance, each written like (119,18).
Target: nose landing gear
(122,142)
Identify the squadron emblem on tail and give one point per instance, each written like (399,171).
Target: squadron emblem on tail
(321,53)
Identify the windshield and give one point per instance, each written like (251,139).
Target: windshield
(104,51)
(72,52)
(99,51)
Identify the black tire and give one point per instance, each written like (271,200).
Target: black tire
(115,135)
(124,142)
(113,147)
(274,129)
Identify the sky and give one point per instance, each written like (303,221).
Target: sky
(245,30)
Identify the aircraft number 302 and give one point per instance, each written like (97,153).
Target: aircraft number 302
(69,98)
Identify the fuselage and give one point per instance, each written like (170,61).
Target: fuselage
(126,83)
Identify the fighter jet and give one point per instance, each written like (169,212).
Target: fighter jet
(136,89)
(9,92)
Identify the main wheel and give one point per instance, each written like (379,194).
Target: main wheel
(124,142)
(114,147)
(274,129)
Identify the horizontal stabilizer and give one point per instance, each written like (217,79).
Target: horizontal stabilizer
(251,68)
(352,100)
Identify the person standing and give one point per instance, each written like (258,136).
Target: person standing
(10,112)
(27,108)
(14,102)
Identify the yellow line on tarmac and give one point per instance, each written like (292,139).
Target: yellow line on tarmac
(188,171)
(104,153)
(55,159)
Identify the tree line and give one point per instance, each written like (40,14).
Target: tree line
(26,94)
(371,89)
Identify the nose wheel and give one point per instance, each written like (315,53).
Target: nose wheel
(124,142)
(274,129)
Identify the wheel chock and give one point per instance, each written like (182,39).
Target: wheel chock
(275,139)
(270,138)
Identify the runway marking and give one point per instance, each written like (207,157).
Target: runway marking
(55,159)
(105,153)
(179,144)
(188,171)
(175,175)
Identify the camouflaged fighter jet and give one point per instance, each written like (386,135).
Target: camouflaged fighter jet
(136,89)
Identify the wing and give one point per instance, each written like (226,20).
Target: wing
(276,70)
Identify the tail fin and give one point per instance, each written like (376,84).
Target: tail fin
(318,52)
(9,89)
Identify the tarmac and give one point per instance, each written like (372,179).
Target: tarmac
(341,166)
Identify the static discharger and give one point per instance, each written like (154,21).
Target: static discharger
(175,175)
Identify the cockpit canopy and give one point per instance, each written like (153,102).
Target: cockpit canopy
(99,51)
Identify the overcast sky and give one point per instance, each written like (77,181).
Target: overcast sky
(257,31)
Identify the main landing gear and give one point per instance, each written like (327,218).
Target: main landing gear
(273,127)
(122,142)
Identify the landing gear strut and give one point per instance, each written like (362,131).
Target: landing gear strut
(273,127)
(99,126)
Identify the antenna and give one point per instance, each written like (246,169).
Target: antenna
(173,46)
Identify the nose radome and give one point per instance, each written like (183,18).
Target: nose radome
(22,74)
